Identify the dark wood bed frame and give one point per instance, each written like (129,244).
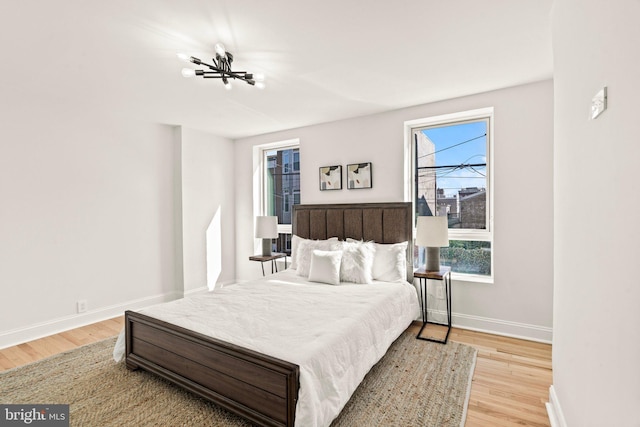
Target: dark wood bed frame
(260,388)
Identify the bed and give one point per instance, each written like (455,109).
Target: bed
(301,374)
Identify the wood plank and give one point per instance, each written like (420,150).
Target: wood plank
(511,380)
(32,351)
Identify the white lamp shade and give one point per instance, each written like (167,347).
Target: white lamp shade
(266,227)
(432,231)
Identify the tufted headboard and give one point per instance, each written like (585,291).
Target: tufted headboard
(380,222)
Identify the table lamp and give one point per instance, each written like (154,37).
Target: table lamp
(266,229)
(432,232)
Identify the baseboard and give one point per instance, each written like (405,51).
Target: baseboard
(556,418)
(496,326)
(39,330)
(200,290)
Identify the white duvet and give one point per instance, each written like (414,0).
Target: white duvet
(335,334)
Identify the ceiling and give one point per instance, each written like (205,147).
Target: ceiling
(323,60)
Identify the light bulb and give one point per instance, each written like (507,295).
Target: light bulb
(220,50)
(227,85)
(188,72)
(260,85)
(258,77)
(183,57)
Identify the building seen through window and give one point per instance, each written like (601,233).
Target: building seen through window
(282,191)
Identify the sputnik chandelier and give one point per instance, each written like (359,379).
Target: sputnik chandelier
(221,69)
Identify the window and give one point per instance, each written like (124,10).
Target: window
(451,176)
(296,161)
(286,164)
(281,187)
(285,201)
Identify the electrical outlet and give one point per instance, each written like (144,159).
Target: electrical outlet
(82,306)
(439,293)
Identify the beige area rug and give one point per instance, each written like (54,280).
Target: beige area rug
(417,383)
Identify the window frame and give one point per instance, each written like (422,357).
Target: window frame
(261,156)
(410,162)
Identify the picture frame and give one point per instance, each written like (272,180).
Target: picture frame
(359,176)
(330,178)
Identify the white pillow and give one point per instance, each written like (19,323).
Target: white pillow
(305,250)
(295,242)
(325,267)
(390,262)
(357,261)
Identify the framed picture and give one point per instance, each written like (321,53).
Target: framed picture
(359,175)
(331,178)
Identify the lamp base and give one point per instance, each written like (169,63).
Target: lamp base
(433,259)
(266,247)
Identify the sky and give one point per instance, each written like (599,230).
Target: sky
(448,153)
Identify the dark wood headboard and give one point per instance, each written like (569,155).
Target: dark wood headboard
(380,222)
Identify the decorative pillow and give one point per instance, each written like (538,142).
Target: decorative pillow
(390,262)
(357,261)
(305,250)
(295,242)
(325,267)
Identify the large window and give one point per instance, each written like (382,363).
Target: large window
(281,189)
(451,176)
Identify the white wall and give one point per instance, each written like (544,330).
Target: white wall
(207,210)
(596,345)
(106,210)
(520,300)
(86,212)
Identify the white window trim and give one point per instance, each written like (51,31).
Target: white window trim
(409,161)
(260,178)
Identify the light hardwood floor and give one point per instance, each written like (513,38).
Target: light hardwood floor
(32,351)
(510,382)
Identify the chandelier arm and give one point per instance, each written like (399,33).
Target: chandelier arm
(240,75)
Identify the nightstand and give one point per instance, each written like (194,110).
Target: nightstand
(273,257)
(444,275)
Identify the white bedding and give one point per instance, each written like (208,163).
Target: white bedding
(335,334)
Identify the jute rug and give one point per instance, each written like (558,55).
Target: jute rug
(417,383)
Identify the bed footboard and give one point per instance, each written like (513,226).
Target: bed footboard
(260,388)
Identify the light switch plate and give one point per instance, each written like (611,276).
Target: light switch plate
(599,103)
